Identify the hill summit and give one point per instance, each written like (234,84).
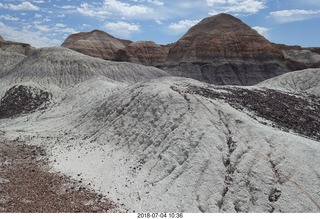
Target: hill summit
(95,43)
(222,49)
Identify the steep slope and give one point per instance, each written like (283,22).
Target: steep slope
(64,68)
(143,52)
(1,39)
(96,43)
(223,50)
(8,60)
(178,145)
(300,82)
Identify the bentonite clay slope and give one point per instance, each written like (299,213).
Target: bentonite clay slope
(8,60)
(144,52)
(96,43)
(64,68)
(223,50)
(177,145)
(10,46)
(300,82)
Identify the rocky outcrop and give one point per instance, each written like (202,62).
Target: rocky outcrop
(223,50)
(300,58)
(9,46)
(22,99)
(96,44)
(144,52)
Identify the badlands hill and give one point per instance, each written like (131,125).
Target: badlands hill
(65,68)
(220,50)
(28,82)
(223,50)
(96,43)
(16,47)
(178,145)
(102,45)
(152,143)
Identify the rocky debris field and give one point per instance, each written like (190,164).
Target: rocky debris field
(27,185)
(286,111)
(22,99)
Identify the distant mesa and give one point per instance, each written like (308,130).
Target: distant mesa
(102,45)
(220,50)
(96,44)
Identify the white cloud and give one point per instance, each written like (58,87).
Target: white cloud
(155,2)
(262,30)
(236,6)
(24,6)
(9,18)
(37,15)
(115,8)
(42,28)
(67,7)
(91,11)
(35,38)
(121,28)
(65,30)
(158,21)
(126,9)
(287,16)
(60,25)
(182,26)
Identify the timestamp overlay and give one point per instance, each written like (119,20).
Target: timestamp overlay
(159,215)
(163,215)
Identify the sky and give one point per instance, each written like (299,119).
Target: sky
(44,23)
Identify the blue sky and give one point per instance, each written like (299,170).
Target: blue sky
(45,23)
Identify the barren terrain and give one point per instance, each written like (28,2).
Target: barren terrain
(28,185)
